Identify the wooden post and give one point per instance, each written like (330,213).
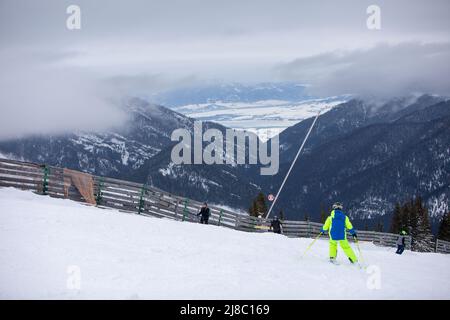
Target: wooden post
(220,216)
(141,199)
(236,224)
(176,208)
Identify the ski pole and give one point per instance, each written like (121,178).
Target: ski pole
(292,164)
(359,250)
(309,247)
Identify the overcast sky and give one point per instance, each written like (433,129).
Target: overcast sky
(138,47)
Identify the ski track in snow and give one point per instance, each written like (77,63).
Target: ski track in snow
(126,256)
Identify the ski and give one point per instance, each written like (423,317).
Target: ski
(333,261)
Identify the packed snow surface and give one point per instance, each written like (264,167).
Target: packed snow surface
(54,248)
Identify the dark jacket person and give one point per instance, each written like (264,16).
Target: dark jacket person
(276,226)
(205,213)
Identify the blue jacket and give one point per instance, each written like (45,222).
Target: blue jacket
(337,224)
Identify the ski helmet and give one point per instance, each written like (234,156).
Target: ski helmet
(338,205)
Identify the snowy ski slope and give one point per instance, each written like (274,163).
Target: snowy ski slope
(55,248)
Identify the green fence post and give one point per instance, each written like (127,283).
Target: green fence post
(45,180)
(185,210)
(220,216)
(141,198)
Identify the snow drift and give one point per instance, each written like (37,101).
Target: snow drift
(55,248)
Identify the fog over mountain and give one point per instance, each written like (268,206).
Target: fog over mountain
(58,79)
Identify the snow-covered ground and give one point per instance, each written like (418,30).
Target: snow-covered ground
(54,248)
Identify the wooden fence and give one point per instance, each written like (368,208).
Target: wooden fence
(442,246)
(145,200)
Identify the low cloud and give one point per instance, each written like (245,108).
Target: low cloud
(148,84)
(53,80)
(382,71)
(43,92)
(39,96)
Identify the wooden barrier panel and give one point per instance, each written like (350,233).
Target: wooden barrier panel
(129,196)
(136,198)
(442,246)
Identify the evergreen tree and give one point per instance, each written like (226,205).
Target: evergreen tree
(444,228)
(410,216)
(323,214)
(254,209)
(379,227)
(261,204)
(397,223)
(421,229)
(258,206)
(405,219)
(281,215)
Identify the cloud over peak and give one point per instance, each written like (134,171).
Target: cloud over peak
(383,70)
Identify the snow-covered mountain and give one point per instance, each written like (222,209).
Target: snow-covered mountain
(368,156)
(140,151)
(265,108)
(365,154)
(116,152)
(231,92)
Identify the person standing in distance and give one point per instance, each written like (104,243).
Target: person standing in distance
(205,213)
